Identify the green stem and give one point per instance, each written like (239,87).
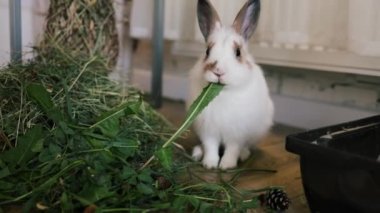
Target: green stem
(210,92)
(121,210)
(80,74)
(264,189)
(188,121)
(203,198)
(47,183)
(19,116)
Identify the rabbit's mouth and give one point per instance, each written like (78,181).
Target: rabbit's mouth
(213,77)
(217,80)
(221,81)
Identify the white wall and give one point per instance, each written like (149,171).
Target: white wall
(4,34)
(32,17)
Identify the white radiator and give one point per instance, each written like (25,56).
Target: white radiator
(339,35)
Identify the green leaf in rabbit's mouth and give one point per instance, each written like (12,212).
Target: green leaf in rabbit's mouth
(208,94)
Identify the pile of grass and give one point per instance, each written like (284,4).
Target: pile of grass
(72,140)
(69,135)
(78,86)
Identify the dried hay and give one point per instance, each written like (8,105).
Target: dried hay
(83,26)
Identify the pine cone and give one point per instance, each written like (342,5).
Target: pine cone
(163,183)
(276,199)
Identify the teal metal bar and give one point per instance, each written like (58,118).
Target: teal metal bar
(158,52)
(15,30)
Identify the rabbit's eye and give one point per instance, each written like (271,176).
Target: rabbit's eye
(207,52)
(237,52)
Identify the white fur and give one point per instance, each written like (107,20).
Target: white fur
(242,113)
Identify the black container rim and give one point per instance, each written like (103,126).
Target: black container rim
(302,144)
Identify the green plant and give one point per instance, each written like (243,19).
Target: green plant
(207,95)
(72,141)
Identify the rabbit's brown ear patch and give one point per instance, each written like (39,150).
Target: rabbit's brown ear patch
(210,66)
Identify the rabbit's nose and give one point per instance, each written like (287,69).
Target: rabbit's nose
(218,72)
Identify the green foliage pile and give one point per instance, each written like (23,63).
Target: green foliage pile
(72,140)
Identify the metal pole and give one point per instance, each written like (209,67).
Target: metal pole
(15,30)
(158,52)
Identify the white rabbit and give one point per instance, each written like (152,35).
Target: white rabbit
(243,112)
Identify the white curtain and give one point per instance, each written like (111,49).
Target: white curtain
(320,25)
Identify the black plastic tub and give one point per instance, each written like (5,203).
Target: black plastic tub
(340,166)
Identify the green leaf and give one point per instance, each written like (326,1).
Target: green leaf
(27,142)
(98,144)
(165,157)
(2,164)
(4,185)
(54,149)
(21,154)
(212,187)
(49,167)
(109,122)
(4,172)
(65,128)
(194,202)
(69,105)
(124,147)
(45,156)
(132,180)
(38,146)
(144,189)
(207,95)
(205,207)
(127,173)
(82,200)
(94,193)
(251,204)
(103,179)
(53,180)
(180,204)
(111,126)
(66,203)
(29,205)
(145,176)
(39,94)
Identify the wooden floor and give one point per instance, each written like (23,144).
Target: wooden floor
(270,154)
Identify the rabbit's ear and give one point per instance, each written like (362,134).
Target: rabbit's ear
(246,20)
(208,18)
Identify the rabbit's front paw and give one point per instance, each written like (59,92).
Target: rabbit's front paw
(228,163)
(244,154)
(210,162)
(197,153)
